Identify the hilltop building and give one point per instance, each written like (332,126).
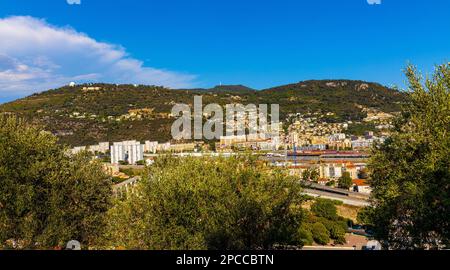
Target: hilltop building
(91,88)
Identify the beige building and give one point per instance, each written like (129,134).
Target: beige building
(228,141)
(361,186)
(183,147)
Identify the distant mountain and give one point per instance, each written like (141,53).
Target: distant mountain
(343,97)
(87,114)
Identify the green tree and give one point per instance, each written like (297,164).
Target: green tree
(305,236)
(315,175)
(364,216)
(320,233)
(345,181)
(337,231)
(306,175)
(325,212)
(208,204)
(324,208)
(311,175)
(331,183)
(46,197)
(410,172)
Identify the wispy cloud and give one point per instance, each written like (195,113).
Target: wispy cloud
(36,56)
(74,2)
(374,2)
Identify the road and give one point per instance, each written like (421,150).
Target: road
(337,191)
(345,199)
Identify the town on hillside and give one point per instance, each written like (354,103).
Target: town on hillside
(312,150)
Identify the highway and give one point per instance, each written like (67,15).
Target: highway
(332,196)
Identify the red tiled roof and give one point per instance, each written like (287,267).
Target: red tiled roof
(360,182)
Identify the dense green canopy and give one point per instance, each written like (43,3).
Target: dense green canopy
(46,197)
(411,170)
(208,204)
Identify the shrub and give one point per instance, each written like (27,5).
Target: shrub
(337,233)
(140,163)
(305,236)
(345,181)
(331,184)
(320,233)
(325,208)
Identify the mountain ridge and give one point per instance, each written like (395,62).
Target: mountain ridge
(90,113)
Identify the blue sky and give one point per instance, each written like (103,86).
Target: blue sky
(201,43)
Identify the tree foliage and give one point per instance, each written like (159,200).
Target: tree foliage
(305,236)
(345,181)
(325,212)
(311,175)
(324,208)
(100,110)
(410,172)
(320,233)
(46,197)
(208,204)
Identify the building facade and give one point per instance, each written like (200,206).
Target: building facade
(128,151)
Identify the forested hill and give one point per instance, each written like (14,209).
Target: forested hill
(87,114)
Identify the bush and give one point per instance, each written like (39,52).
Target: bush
(364,216)
(325,208)
(140,163)
(132,172)
(305,236)
(331,184)
(123,162)
(320,234)
(345,181)
(337,233)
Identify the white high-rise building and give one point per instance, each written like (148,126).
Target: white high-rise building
(130,151)
(102,147)
(150,147)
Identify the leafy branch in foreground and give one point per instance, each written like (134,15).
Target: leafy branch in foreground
(46,196)
(410,172)
(208,204)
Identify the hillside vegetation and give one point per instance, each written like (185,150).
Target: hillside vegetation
(87,114)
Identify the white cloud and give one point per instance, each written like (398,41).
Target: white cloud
(36,56)
(374,2)
(74,2)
